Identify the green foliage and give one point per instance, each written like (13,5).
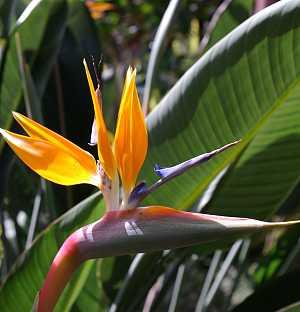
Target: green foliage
(39,43)
(245,86)
(33,265)
(1,248)
(277,288)
(209,112)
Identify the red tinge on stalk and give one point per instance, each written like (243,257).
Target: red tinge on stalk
(63,266)
(138,230)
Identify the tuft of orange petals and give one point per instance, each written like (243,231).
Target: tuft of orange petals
(59,160)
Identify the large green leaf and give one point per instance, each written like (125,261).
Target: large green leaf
(41,28)
(106,278)
(246,86)
(235,91)
(91,294)
(33,266)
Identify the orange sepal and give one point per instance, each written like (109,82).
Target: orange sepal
(51,161)
(36,130)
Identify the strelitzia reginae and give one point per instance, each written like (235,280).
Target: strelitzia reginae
(126,228)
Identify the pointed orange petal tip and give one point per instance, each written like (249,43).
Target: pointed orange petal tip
(19,117)
(131,139)
(105,153)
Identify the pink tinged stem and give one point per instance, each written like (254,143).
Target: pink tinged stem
(63,266)
(122,232)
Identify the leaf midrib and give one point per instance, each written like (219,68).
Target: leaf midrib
(191,198)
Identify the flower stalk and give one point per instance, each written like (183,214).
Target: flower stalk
(144,229)
(62,268)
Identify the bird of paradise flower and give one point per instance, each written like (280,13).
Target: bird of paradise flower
(126,228)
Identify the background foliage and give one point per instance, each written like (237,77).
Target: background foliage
(246,86)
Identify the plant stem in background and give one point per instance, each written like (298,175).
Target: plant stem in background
(208,279)
(157,49)
(261,4)
(212,24)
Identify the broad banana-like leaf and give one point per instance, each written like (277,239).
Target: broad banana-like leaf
(245,87)
(28,275)
(214,103)
(92,295)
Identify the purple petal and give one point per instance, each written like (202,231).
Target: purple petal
(166,174)
(137,193)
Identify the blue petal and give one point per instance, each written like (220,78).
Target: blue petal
(158,169)
(166,174)
(171,172)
